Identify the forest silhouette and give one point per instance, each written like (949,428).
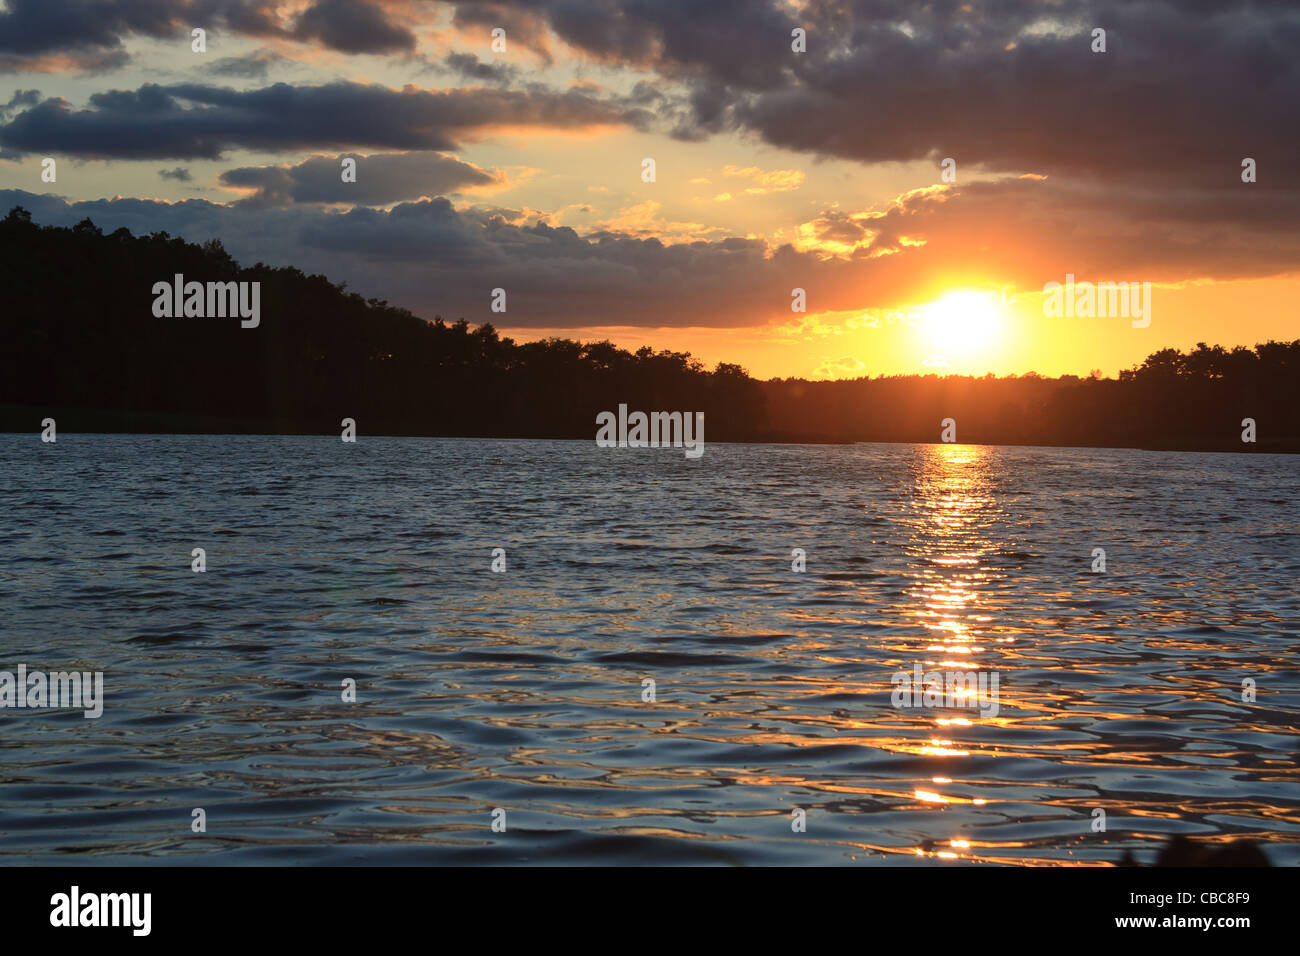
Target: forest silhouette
(80,343)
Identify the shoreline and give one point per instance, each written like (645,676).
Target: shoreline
(97,422)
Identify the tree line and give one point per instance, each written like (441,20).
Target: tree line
(81,343)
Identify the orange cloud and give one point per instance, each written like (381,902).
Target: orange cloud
(769,181)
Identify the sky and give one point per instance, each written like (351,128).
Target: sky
(920,170)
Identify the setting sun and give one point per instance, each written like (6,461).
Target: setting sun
(962,320)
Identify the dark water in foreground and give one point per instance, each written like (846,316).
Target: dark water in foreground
(523,690)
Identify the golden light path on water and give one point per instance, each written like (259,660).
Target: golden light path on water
(952,501)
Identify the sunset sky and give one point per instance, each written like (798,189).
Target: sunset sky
(775,169)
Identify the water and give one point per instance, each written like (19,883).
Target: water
(523,690)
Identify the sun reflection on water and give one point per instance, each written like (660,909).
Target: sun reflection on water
(953,502)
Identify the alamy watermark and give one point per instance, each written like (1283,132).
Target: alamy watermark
(976,690)
(1103,300)
(36,689)
(76,909)
(212,300)
(656,430)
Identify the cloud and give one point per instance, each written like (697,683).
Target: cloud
(35,27)
(253,65)
(180,174)
(91,34)
(381,179)
(193,121)
(675,37)
(841,368)
(524,26)
(471,67)
(1181,95)
(643,220)
(77,61)
(19,99)
(770,181)
(353,26)
(1027,231)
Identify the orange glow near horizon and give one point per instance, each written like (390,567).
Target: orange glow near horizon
(854,344)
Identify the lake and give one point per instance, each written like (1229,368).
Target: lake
(648,680)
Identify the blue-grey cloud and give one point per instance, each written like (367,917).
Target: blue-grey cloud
(194,121)
(381,178)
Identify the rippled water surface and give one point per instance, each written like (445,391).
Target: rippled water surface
(524,690)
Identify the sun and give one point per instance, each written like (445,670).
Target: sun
(963,321)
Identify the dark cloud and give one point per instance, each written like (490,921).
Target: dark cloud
(180,174)
(353,26)
(1183,92)
(31,27)
(1180,94)
(380,179)
(254,18)
(201,122)
(91,33)
(738,42)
